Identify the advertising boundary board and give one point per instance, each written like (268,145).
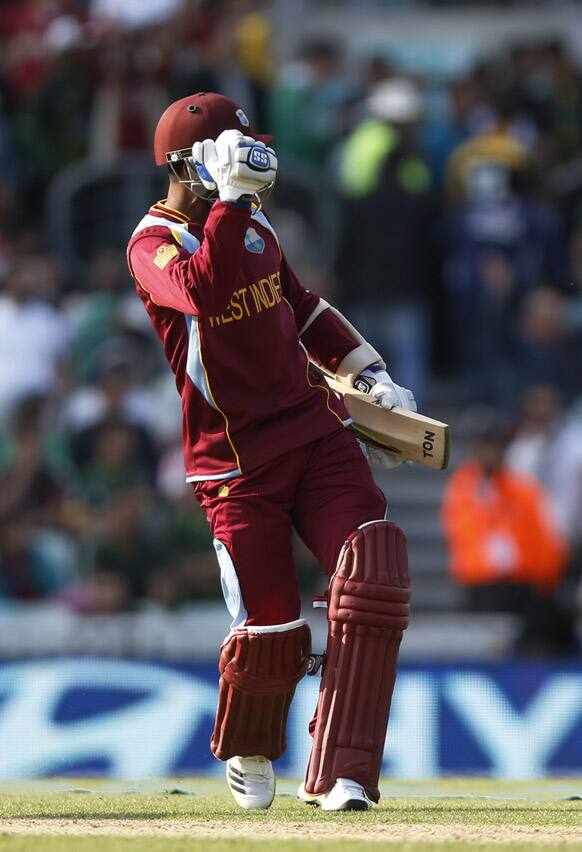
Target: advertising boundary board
(134,719)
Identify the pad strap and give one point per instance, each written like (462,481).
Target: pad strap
(368,610)
(259,671)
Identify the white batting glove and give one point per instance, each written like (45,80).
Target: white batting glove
(203,153)
(376,382)
(236,165)
(377,457)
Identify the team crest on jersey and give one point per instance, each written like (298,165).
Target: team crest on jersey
(253,242)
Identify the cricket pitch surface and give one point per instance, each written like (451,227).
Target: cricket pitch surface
(179,815)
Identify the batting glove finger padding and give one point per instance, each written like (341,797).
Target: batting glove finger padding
(376,381)
(205,159)
(260,668)
(389,395)
(368,611)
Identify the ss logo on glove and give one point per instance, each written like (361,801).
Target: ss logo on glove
(259,159)
(235,165)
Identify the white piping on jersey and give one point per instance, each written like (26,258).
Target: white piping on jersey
(180,231)
(196,372)
(230,474)
(321,306)
(194,367)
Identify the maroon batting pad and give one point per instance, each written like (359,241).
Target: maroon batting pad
(368,610)
(259,670)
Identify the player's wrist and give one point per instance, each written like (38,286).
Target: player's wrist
(245,202)
(232,194)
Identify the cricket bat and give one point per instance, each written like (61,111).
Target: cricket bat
(407,434)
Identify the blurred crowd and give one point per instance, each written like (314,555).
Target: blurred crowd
(456,249)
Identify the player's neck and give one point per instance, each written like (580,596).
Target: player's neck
(180,198)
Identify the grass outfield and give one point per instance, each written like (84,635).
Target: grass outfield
(196,814)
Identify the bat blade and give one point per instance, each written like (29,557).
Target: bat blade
(413,437)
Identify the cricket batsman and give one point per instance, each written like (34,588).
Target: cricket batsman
(267,448)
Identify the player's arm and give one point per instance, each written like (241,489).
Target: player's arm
(331,341)
(198,282)
(202,282)
(334,344)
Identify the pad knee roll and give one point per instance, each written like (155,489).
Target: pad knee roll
(260,668)
(368,610)
(371,587)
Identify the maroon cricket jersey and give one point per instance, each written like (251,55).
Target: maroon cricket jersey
(228,310)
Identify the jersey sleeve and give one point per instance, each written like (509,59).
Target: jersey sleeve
(324,337)
(198,282)
(331,341)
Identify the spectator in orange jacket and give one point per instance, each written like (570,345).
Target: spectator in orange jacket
(505,547)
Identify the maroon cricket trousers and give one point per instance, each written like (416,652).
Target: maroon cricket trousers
(323,489)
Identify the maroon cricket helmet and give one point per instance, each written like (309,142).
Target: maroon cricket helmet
(195,118)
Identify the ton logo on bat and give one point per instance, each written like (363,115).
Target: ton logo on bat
(428,444)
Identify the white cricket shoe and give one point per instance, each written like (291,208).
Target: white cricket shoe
(251,781)
(345,795)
